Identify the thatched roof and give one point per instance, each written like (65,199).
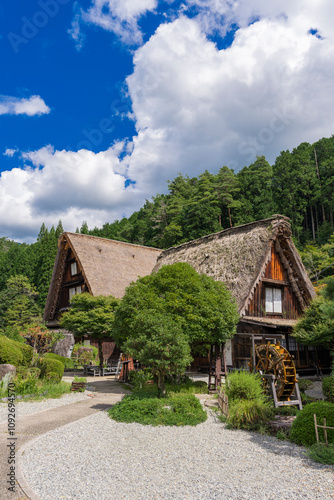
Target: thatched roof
(238,257)
(269,321)
(108,266)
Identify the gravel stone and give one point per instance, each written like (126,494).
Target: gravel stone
(23,409)
(98,458)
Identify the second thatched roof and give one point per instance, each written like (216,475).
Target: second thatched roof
(238,257)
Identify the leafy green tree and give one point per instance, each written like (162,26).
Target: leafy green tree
(59,229)
(256,196)
(319,260)
(316,327)
(18,304)
(91,316)
(45,252)
(17,259)
(227,190)
(201,308)
(160,344)
(201,213)
(84,228)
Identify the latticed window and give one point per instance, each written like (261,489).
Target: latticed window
(273,300)
(74,290)
(74,269)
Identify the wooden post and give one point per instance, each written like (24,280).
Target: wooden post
(253,354)
(300,404)
(325,432)
(316,427)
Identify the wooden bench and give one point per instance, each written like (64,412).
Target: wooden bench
(95,370)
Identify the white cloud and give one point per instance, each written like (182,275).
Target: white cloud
(10,152)
(219,15)
(15,106)
(195,107)
(76,33)
(72,186)
(120,17)
(198,107)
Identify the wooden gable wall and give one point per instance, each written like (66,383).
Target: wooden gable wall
(70,281)
(275,276)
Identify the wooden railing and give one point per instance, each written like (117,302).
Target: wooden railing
(223,402)
(324,427)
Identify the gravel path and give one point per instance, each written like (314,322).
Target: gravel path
(23,409)
(98,458)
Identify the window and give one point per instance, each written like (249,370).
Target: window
(274,300)
(74,269)
(74,290)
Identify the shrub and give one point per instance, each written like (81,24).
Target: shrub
(303,429)
(328,388)
(27,352)
(22,371)
(51,365)
(84,354)
(52,377)
(10,353)
(26,386)
(286,410)
(322,454)
(139,379)
(304,384)
(178,409)
(185,410)
(67,362)
(244,385)
(35,372)
(249,413)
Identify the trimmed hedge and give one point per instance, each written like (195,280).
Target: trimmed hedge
(328,388)
(27,352)
(10,353)
(303,429)
(67,362)
(48,366)
(177,409)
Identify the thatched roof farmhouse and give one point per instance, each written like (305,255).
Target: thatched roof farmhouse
(95,265)
(258,262)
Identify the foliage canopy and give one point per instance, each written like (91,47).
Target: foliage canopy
(162,315)
(91,316)
(203,308)
(316,326)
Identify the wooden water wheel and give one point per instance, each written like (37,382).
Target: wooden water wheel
(274,359)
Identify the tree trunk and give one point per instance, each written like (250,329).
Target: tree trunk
(318,174)
(100,356)
(162,393)
(316,218)
(229,214)
(312,222)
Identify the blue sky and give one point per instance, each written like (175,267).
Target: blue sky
(101,102)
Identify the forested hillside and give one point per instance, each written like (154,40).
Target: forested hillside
(299,185)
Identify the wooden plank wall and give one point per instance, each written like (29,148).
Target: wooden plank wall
(69,280)
(275,271)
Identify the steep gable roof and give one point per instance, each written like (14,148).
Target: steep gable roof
(108,266)
(238,257)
